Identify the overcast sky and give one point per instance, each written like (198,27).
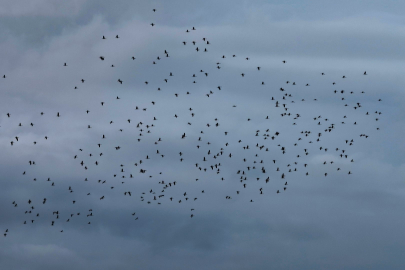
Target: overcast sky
(235,135)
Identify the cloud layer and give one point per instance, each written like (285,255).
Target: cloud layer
(319,222)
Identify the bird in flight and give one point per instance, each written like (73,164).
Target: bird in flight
(273,134)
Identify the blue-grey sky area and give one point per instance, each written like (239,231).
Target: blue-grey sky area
(273,142)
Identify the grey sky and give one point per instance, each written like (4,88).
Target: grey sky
(338,221)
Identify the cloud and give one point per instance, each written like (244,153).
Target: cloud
(40,8)
(317,222)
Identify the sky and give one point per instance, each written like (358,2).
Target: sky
(208,136)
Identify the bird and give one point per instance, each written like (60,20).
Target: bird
(154,129)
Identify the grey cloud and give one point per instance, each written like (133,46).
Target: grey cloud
(333,222)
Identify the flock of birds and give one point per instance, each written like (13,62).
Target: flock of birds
(260,165)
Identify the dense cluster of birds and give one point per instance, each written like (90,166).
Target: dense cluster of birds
(260,164)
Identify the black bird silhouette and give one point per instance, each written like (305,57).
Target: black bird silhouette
(211,153)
